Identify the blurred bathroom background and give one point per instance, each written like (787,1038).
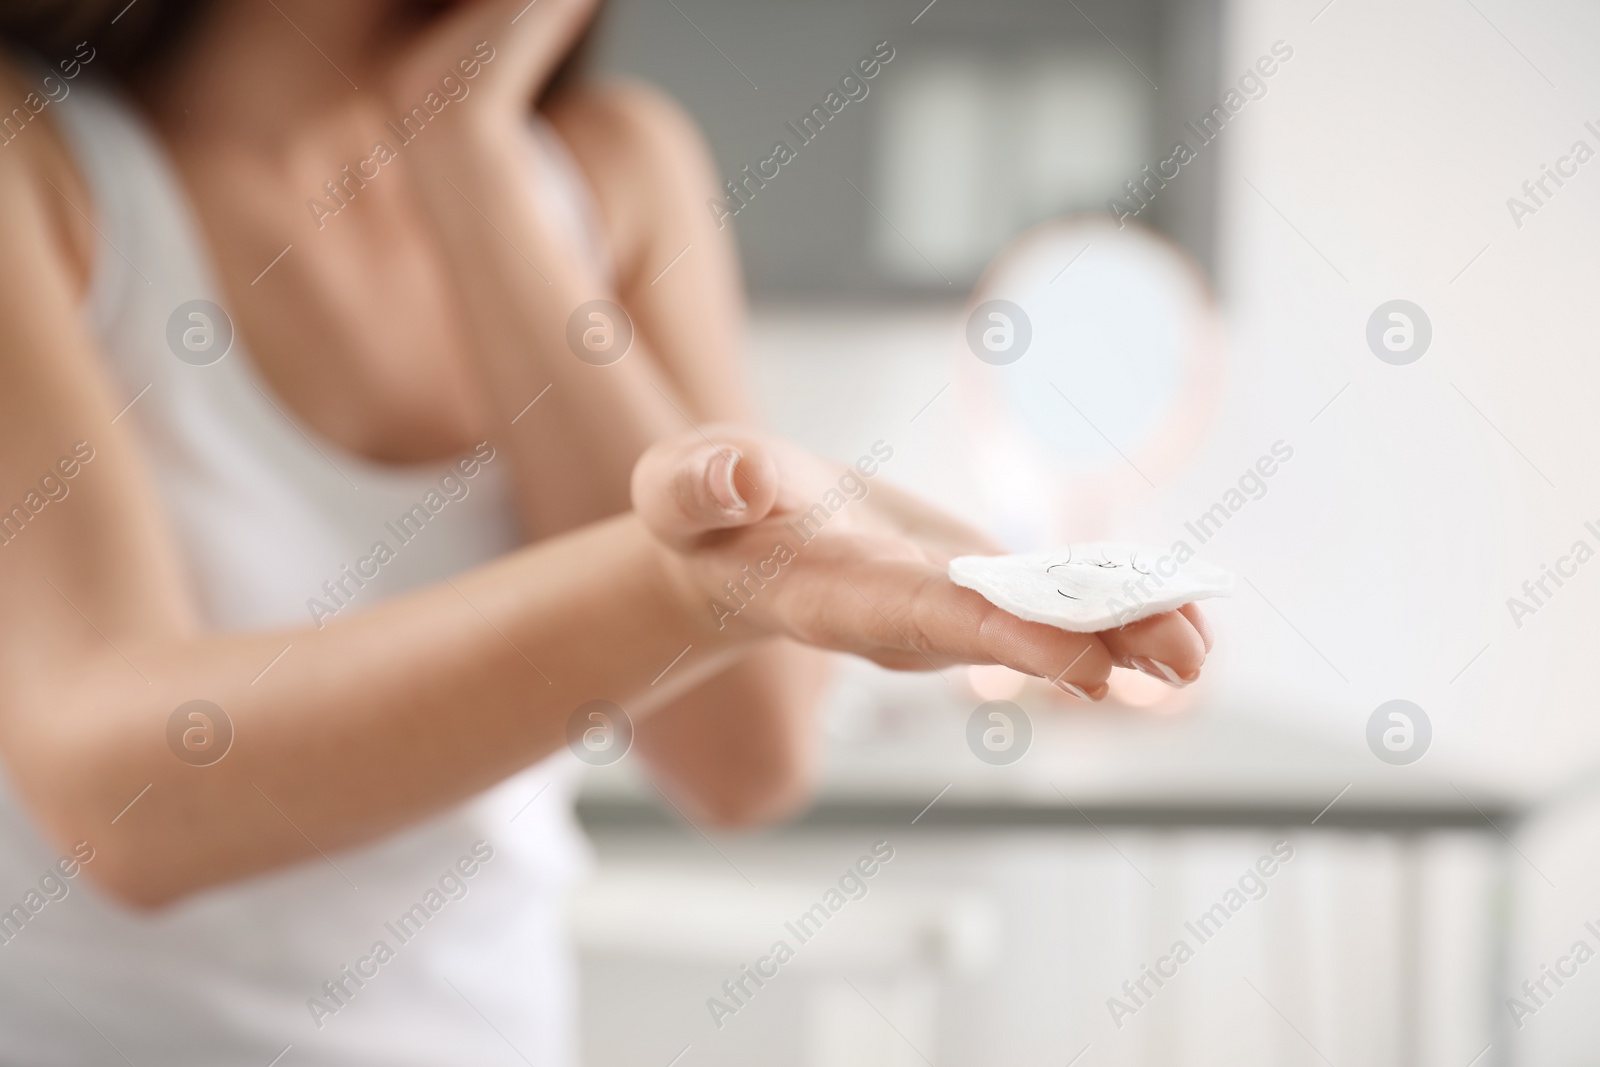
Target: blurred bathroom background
(1226,324)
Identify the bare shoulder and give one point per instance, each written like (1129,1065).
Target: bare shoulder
(38,176)
(626,118)
(643,155)
(46,356)
(58,403)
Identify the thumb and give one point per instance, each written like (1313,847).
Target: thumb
(692,485)
(517,46)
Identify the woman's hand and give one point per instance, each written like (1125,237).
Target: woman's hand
(525,43)
(758,534)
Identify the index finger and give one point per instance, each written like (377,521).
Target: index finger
(906,607)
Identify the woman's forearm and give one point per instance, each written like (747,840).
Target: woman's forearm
(741,746)
(520,285)
(370,724)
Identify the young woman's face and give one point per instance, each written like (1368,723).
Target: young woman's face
(394,14)
(358,30)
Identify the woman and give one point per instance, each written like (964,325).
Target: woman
(395,517)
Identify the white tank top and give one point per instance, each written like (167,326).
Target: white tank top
(385,955)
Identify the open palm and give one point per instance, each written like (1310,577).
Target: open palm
(764,535)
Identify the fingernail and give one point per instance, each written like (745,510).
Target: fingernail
(719,477)
(1162,672)
(1068,687)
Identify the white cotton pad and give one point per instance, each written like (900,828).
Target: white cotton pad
(1090,587)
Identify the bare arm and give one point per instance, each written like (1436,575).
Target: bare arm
(392,715)
(741,747)
(363,727)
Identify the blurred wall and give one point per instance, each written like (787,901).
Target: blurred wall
(987,119)
(1421,497)
(1425,495)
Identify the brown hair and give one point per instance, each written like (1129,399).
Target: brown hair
(133,37)
(127,38)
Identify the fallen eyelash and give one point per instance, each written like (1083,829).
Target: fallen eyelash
(1103,563)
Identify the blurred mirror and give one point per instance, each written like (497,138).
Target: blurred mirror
(1109,376)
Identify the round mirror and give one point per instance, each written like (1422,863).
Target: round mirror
(1097,360)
